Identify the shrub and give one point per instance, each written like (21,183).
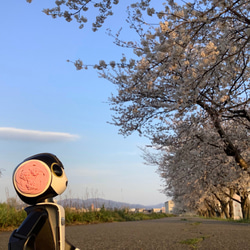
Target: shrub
(10,217)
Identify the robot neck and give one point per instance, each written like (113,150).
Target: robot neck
(49,200)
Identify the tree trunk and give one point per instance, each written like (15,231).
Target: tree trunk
(223,206)
(245,206)
(211,209)
(231,207)
(230,149)
(225,210)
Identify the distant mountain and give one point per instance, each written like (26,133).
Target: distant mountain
(99,202)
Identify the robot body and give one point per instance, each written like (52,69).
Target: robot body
(36,180)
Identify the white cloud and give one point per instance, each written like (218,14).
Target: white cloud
(7,133)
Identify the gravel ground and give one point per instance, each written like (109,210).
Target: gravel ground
(167,233)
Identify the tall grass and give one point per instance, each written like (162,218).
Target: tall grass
(103,215)
(11,218)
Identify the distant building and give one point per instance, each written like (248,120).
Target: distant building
(156,210)
(148,211)
(140,210)
(169,206)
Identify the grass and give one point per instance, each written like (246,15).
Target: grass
(247,221)
(196,223)
(193,242)
(117,215)
(11,218)
(215,218)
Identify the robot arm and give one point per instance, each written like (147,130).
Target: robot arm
(24,237)
(33,227)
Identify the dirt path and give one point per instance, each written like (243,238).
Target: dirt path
(169,233)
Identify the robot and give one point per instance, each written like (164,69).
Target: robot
(37,180)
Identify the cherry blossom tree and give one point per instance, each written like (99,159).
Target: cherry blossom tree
(197,58)
(78,10)
(75,9)
(192,62)
(195,62)
(197,173)
(186,89)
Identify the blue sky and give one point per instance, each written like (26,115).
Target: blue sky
(41,93)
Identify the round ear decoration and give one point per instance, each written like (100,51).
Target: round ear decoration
(39,177)
(32,178)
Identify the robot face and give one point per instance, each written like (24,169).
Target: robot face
(39,177)
(59,180)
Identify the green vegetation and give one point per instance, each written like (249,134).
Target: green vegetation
(193,242)
(11,218)
(196,223)
(226,219)
(103,215)
(247,221)
(241,221)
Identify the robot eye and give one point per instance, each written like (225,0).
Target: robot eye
(57,170)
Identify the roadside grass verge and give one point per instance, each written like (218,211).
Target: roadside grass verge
(11,218)
(247,221)
(243,221)
(103,215)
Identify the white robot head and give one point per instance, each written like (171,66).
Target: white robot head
(39,177)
